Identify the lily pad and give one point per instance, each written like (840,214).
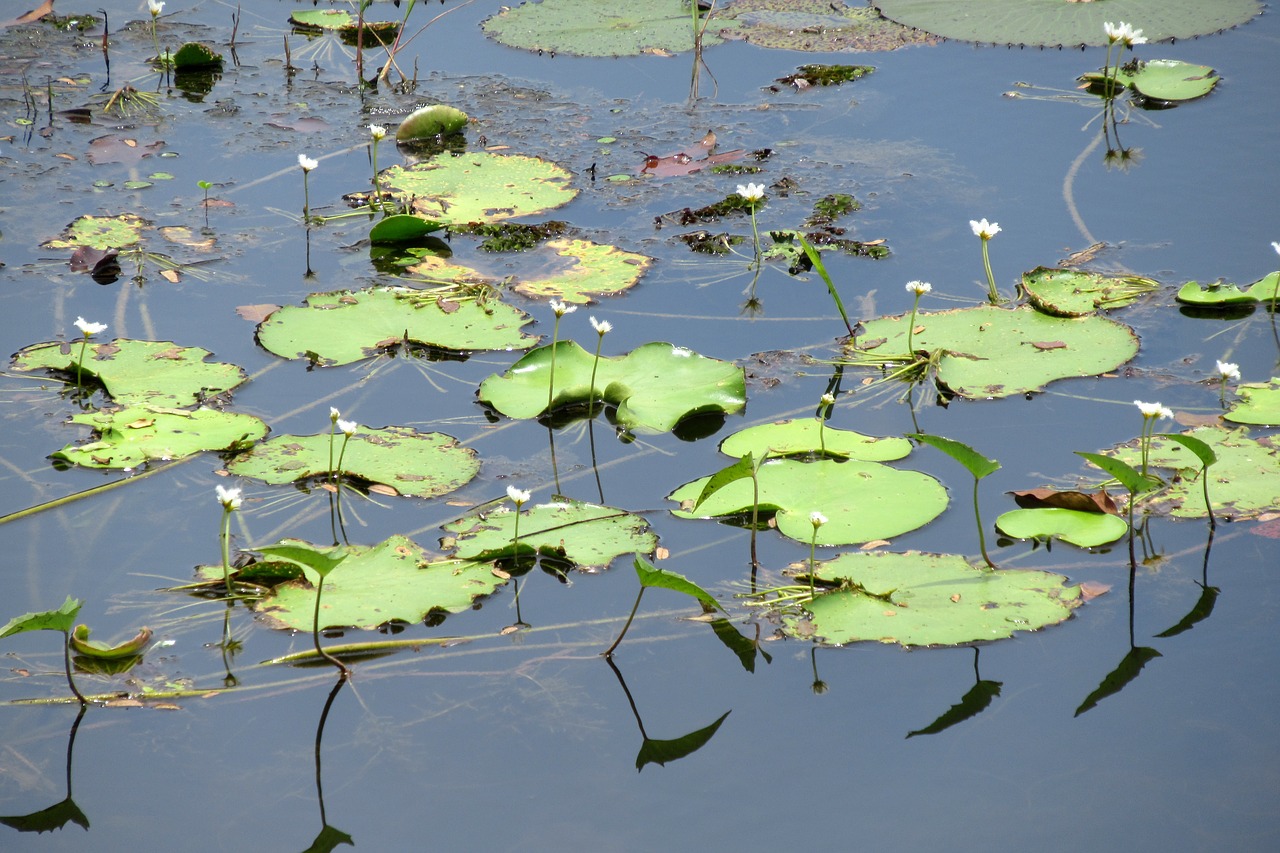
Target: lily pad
(594,270)
(1055,22)
(417,464)
(194,55)
(1084,529)
(1074,293)
(800,437)
(129,437)
(1265,289)
(479,186)
(932,600)
(100,232)
(402,228)
(346,326)
(654,387)
(393,580)
(994,352)
(45,620)
(585,534)
(431,121)
(592,28)
(815,25)
(862,501)
(343,23)
(99,650)
(1161,79)
(1244,482)
(1259,404)
(156,373)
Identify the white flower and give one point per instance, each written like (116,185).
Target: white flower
(1113,32)
(229,498)
(561,308)
(517,496)
(828,399)
(984,229)
(377,131)
(601,326)
(1276,246)
(1133,36)
(334,414)
(1166,412)
(751,192)
(1227,370)
(1153,410)
(817,519)
(307,163)
(348,428)
(90,329)
(155,8)
(919,288)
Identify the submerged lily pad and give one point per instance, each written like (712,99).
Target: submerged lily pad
(417,464)
(588,535)
(1161,79)
(342,327)
(815,25)
(594,270)
(393,580)
(993,352)
(129,437)
(479,186)
(793,438)
(930,600)
(1259,404)
(654,387)
(157,373)
(1265,289)
(1084,529)
(862,501)
(1055,22)
(1074,293)
(593,28)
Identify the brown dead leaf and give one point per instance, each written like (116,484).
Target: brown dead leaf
(117,149)
(141,423)
(384,489)
(1090,590)
(1098,501)
(661,554)
(1044,345)
(256,313)
(45,8)
(173,353)
(171,276)
(874,543)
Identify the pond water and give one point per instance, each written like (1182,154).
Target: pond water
(529,740)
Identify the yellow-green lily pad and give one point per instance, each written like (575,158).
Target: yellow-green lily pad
(1080,528)
(100,232)
(1075,293)
(1265,289)
(477,186)
(593,28)
(593,270)
(809,435)
(1259,404)
(817,25)
(132,436)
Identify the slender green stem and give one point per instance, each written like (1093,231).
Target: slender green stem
(993,295)
(1148,424)
(982,538)
(155,40)
(306,196)
(333,428)
(915,305)
(337,474)
(515,538)
(813,544)
(226,551)
(377,190)
(551,382)
(755,232)
(634,608)
(80,362)
(816,260)
(66,660)
(315,632)
(591,401)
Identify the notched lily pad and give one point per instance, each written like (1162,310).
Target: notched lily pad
(815,25)
(807,436)
(917,599)
(592,28)
(412,463)
(1259,404)
(1265,289)
(100,232)
(129,437)
(1073,293)
(479,186)
(1084,529)
(593,270)
(1166,80)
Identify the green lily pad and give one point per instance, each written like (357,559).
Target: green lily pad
(393,580)
(994,352)
(98,650)
(129,437)
(1055,22)
(592,28)
(1244,482)
(45,620)
(594,270)
(402,228)
(431,121)
(933,600)
(100,232)
(816,25)
(1074,293)
(1084,529)
(156,373)
(417,464)
(1259,404)
(801,437)
(654,387)
(586,534)
(346,326)
(862,501)
(479,186)
(343,23)
(195,55)
(1162,79)
(1265,289)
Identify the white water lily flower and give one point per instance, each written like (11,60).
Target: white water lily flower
(1153,410)
(919,288)
(984,229)
(817,519)
(1228,370)
(334,414)
(601,326)
(348,428)
(751,192)
(89,329)
(307,163)
(517,496)
(155,7)
(377,131)
(561,308)
(1276,246)
(1133,36)
(229,498)
(828,399)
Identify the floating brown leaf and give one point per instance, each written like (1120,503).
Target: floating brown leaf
(1098,501)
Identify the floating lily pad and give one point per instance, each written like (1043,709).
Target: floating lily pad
(157,373)
(594,270)
(193,55)
(100,232)
(862,501)
(393,580)
(402,228)
(345,24)
(1265,289)
(587,535)
(1074,293)
(100,650)
(994,352)
(1243,483)
(431,121)
(479,187)
(1259,404)
(932,600)
(815,25)
(1085,529)
(1055,22)
(799,437)
(1161,79)
(417,464)
(592,28)
(342,327)
(46,620)
(129,437)
(654,387)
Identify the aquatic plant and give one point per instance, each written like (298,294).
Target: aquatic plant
(231,501)
(654,577)
(1151,412)
(977,465)
(816,260)
(602,328)
(1124,35)
(519,498)
(1226,371)
(348,429)
(560,309)
(985,231)
(62,620)
(155,8)
(754,195)
(825,404)
(88,330)
(307,165)
(817,519)
(916,289)
(376,134)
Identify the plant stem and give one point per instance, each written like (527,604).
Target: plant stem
(609,652)
(333,427)
(551,382)
(337,474)
(813,544)
(66,660)
(315,633)
(306,196)
(591,400)
(982,539)
(816,260)
(993,295)
(377,190)
(912,325)
(80,362)
(226,551)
